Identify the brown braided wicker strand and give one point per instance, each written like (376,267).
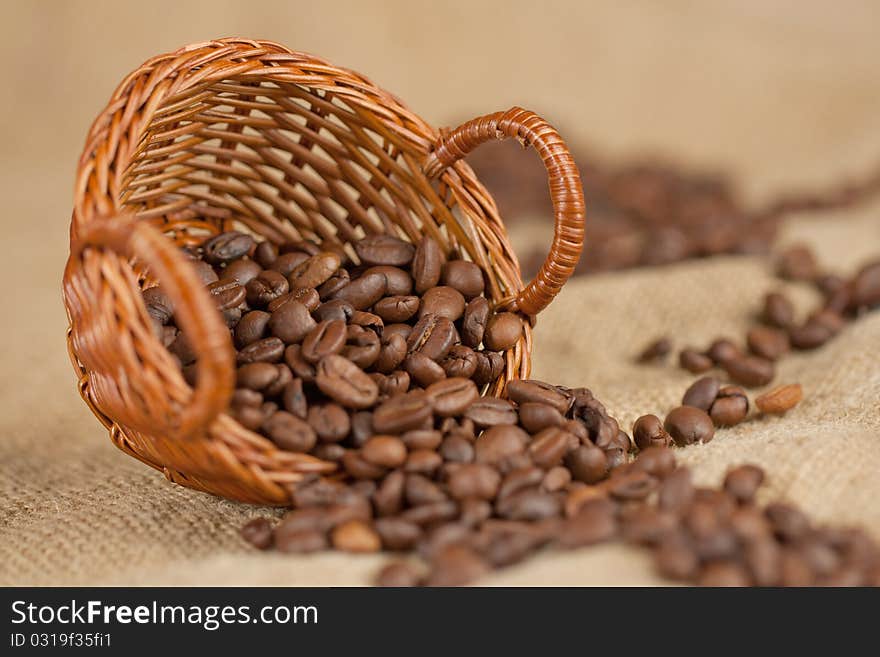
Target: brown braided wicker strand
(249,135)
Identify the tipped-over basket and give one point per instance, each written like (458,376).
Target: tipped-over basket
(247,134)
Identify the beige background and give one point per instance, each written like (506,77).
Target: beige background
(780,93)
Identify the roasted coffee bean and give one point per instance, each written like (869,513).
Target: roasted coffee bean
(730,407)
(432,336)
(422,439)
(334,284)
(457,449)
(320,492)
(788,523)
(647,525)
(490,365)
(242,271)
(810,335)
(204,271)
(766,342)
(466,277)
(307,296)
(587,463)
(264,288)
(723,573)
(159,304)
(384,250)
(654,351)
(330,421)
(258,532)
(398,534)
(289,432)
(549,446)
(334,309)
(386,451)
(829,319)
(368,321)
(256,376)
(675,557)
(750,371)
(781,399)
(797,263)
(452,396)
(427,265)
(503,330)
(267,350)
(402,413)
(461,361)
(778,311)
(265,253)
(227,293)
(500,442)
(519,479)
(291,322)
(866,287)
(763,558)
(397,309)
(423,461)
(396,383)
(556,479)
(398,281)
(285,263)
(422,369)
(388,497)
(251,327)
(522,391)
(535,417)
(398,574)
(362,292)
(490,411)
(693,361)
(701,393)
(345,382)
(326,338)
(688,425)
(474,320)
(300,366)
(392,352)
(722,350)
(474,480)
(356,536)
(442,301)
(648,432)
(300,542)
(593,523)
(315,271)
(743,482)
(360,468)
(362,346)
(231,316)
(308,247)
(530,504)
(250,417)
(632,485)
(420,490)
(245,397)
(657,461)
(226,247)
(456,565)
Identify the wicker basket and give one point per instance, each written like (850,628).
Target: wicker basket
(249,134)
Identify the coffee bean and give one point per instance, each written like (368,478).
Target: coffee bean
(768,342)
(549,446)
(291,322)
(432,336)
(361,292)
(204,272)
(345,382)
(226,247)
(723,573)
(258,532)
(701,393)
(810,335)
(730,407)
(356,536)
(474,320)
(829,319)
(315,271)
(655,351)
(362,346)
(466,277)
(289,432)
(788,523)
(490,365)
(360,468)
(474,480)
(763,559)
(402,413)
(530,504)
(781,399)
(688,425)
(593,523)
(587,463)
(398,281)
(267,350)
(535,417)
(398,534)
(797,263)
(778,311)
(489,412)
(422,369)
(675,558)
(384,250)
(398,574)
(265,253)
(330,421)
(427,264)
(452,396)
(285,263)
(461,361)
(556,479)
(334,309)
(397,309)
(722,350)
(648,432)
(442,301)
(676,492)
(500,442)
(503,330)
(456,565)
(386,451)
(457,449)
(522,392)
(300,366)
(301,542)
(693,361)
(420,490)
(866,287)
(743,481)
(264,288)
(422,439)
(159,304)
(632,485)
(750,371)
(227,293)
(647,525)
(658,461)
(251,327)
(326,338)
(256,376)
(242,271)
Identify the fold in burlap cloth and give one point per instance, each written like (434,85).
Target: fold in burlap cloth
(74,510)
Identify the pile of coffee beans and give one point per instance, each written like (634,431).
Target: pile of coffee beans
(322,343)
(645,213)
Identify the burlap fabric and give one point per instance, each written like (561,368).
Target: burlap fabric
(74,510)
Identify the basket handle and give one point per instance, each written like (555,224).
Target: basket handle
(193,309)
(566,192)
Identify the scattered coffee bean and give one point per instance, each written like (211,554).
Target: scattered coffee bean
(258,532)
(730,407)
(688,425)
(655,351)
(781,399)
(701,393)
(695,362)
(750,371)
(778,311)
(766,342)
(742,482)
